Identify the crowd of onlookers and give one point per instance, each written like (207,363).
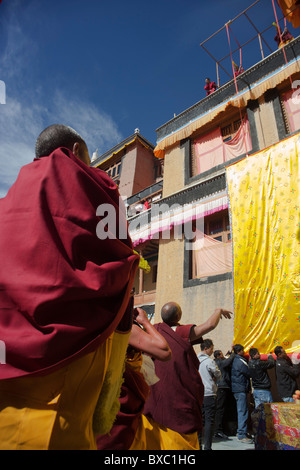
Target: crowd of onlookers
(245,379)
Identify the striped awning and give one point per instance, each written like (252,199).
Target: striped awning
(163,219)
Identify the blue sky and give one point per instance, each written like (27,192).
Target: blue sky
(108,67)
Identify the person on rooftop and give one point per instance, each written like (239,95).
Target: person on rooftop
(282,37)
(210,87)
(237,69)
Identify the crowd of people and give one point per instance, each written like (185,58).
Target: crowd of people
(243,378)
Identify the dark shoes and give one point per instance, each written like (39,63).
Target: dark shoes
(220,435)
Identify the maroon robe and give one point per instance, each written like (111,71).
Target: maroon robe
(210,88)
(63,290)
(283,37)
(176,400)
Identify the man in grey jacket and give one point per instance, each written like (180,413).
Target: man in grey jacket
(209,373)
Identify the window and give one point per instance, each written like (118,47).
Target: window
(230,130)
(221,145)
(291,111)
(158,169)
(154,273)
(217,226)
(114,170)
(212,251)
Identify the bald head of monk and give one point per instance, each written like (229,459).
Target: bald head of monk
(59,135)
(171,313)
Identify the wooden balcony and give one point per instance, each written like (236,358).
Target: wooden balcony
(144,298)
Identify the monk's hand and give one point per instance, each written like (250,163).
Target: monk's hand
(225,313)
(141,316)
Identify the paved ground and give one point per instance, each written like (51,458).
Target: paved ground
(231,444)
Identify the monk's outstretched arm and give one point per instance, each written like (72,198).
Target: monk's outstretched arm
(148,340)
(210,324)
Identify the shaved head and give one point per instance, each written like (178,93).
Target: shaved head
(59,135)
(171,313)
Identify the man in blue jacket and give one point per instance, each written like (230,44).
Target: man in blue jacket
(240,386)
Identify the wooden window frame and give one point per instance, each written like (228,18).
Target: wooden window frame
(114,170)
(225,233)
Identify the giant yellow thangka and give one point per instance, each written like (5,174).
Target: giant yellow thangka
(265,215)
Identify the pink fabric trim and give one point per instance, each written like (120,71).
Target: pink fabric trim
(179,222)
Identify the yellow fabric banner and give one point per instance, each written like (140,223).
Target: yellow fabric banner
(265,208)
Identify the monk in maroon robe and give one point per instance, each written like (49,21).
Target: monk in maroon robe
(210,87)
(282,37)
(176,400)
(64,290)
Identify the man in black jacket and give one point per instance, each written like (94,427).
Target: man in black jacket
(223,392)
(286,374)
(261,382)
(240,386)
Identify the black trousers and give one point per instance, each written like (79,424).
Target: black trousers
(208,410)
(221,403)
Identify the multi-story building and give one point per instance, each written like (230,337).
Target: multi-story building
(180,193)
(196,147)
